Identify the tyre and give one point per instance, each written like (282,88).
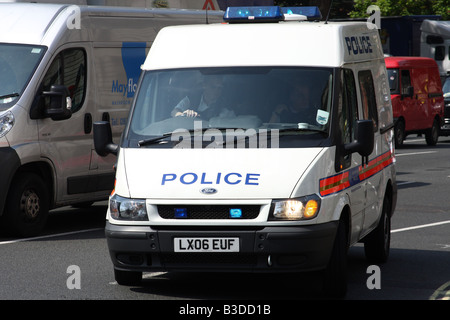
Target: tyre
(27,206)
(432,134)
(335,280)
(128,278)
(399,133)
(377,243)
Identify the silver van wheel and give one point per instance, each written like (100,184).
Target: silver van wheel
(27,205)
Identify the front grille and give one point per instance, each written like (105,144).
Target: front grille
(209,211)
(209,259)
(447,109)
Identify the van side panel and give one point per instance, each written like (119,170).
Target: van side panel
(99,51)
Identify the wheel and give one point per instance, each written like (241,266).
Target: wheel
(335,280)
(432,134)
(27,205)
(377,244)
(399,133)
(128,278)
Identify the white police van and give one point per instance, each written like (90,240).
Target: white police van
(62,67)
(265,147)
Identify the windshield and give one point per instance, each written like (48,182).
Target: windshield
(294,101)
(17,64)
(393,80)
(446,88)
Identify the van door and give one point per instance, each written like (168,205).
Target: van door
(117,71)
(351,163)
(68,143)
(412,112)
(370,168)
(420,81)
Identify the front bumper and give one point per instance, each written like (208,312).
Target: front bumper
(268,249)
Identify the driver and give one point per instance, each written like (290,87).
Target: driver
(211,102)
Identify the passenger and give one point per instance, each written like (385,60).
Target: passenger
(297,109)
(210,105)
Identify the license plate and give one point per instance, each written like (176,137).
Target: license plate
(206,244)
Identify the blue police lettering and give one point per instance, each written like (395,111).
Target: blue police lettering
(227,178)
(231,178)
(186,181)
(358,45)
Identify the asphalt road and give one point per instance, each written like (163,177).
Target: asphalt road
(70,261)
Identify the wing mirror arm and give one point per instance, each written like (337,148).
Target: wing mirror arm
(103,142)
(365,139)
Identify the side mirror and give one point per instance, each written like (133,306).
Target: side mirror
(60,103)
(365,139)
(103,142)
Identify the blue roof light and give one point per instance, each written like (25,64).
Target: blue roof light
(311,13)
(253,14)
(270,14)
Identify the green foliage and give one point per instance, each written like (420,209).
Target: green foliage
(403,8)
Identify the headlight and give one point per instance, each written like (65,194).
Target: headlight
(6,123)
(295,209)
(127,209)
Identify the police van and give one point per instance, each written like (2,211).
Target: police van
(62,67)
(265,147)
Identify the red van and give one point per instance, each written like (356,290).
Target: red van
(417,97)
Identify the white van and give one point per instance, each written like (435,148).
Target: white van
(289,165)
(63,67)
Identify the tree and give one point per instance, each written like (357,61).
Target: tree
(403,8)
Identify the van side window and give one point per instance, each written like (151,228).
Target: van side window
(405,81)
(368,98)
(348,113)
(69,69)
(439,53)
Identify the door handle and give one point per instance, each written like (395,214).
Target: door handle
(87,123)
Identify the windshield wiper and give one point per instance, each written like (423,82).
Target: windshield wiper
(149,141)
(296,129)
(11,95)
(153,140)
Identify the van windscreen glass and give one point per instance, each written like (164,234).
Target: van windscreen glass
(289,100)
(17,65)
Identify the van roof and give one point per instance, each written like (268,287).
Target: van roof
(42,23)
(417,62)
(26,22)
(257,44)
(439,27)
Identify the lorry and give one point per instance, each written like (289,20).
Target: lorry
(63,67)
(417,98)
(266,148)
(435,44)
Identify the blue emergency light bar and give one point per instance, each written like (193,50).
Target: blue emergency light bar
(311,13)
(253,14)
(269,13)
